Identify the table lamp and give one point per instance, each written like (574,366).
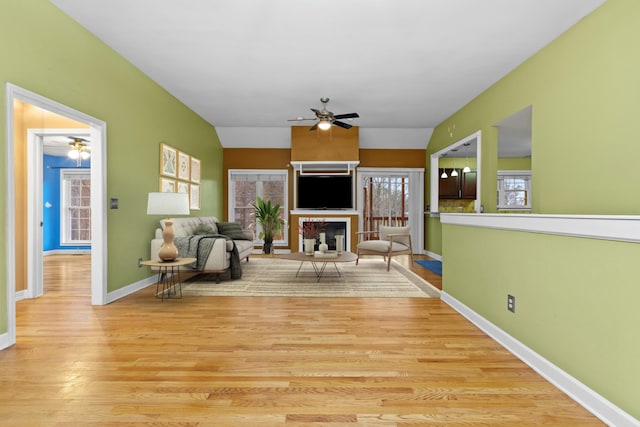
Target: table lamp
(168,204)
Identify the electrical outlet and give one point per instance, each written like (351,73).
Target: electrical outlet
(139,262)
(511,303)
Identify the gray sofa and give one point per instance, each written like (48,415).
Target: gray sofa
(220,257)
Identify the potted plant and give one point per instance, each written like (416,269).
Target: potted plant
(267,216)
(310,230)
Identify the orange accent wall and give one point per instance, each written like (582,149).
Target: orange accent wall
(316,146)
(385,158)
(334,144)
(253,158)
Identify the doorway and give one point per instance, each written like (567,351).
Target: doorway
(17,169)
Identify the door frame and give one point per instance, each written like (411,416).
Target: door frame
(35,214)
(98,132)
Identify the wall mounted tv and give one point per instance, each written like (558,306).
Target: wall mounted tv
(325,192)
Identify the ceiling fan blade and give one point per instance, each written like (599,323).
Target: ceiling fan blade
(341,124)
(314,127)
(346,116)
(301,119)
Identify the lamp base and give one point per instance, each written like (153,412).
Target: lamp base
(168,251)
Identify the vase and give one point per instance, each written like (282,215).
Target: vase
(339,243)
(323,237)
(309,245)
(323,247)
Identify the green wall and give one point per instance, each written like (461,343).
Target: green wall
(585,96)
(576,300)
(576,297)
(514,164)
(46,52)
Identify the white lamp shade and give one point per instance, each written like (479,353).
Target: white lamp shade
(73,154)
(324,124)
(168,204)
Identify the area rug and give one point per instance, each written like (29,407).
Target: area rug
(432,265)
(277,277)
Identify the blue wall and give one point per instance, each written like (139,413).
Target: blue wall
(51,202)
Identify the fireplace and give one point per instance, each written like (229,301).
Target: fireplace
(334,226)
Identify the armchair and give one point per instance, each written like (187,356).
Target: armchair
(392,241)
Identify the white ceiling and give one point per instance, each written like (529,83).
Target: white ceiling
(247,66)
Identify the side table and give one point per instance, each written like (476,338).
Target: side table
(169,276)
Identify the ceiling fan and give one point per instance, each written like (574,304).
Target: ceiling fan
(79,149)
(326,119)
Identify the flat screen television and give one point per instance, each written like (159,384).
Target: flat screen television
(325,192)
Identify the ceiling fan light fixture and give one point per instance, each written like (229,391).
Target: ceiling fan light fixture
(73,154)
(85,155)
(324,125)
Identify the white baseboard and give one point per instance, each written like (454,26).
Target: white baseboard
(433,255)
(5,341)
(24,294)
(130,289)
(589,399)
(67,252)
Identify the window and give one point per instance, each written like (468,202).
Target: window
(75,215)
(514,190)
(245,185)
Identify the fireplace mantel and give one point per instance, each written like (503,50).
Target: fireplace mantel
(338,167)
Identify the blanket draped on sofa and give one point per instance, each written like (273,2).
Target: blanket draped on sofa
(199,247)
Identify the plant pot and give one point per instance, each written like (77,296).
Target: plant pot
(267,248)
(309,246)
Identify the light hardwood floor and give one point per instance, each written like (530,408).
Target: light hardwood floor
(230,361)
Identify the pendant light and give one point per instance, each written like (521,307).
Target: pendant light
(454,172)
(444,174)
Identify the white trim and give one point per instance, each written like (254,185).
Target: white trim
(585,396)
(433,255)
(24,294)
(416,205)
(346,220)
(98,132)
(434,200)
(284,207)
(342,167)
(65,173)
(132,288)
(608,227)
(67,252)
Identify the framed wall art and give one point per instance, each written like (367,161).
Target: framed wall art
(182,187)
(168,161)
(195,170)
(167,185)
(194,196)
(184,166)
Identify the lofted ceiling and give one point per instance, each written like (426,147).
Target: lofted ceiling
(247,66)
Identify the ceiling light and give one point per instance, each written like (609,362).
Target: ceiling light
(324,124)
(444,174)
(466,169)
(454,172)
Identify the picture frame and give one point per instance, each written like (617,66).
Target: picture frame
(195,170)
(182,187)
(167,185)
(184,166)
(194,196)
(168,160)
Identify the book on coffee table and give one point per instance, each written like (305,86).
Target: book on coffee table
(331,254)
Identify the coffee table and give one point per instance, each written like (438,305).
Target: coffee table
(319,264)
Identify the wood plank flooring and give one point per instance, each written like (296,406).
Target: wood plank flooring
(261,361)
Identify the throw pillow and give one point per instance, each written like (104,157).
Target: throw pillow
(204,229)
(232,230)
